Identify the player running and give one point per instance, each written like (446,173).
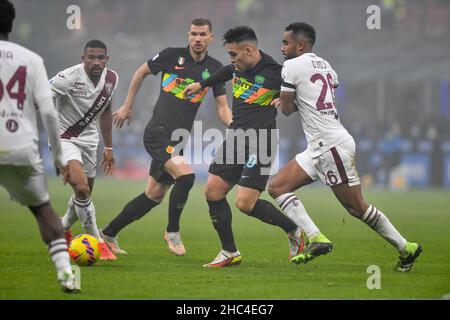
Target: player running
(179,67)
(256,82)
(24,90)
(83,95)
(308,87)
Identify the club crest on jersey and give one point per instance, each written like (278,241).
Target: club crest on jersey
(259,79)
(12,125)
(205,74)
(109,87)
(181,60)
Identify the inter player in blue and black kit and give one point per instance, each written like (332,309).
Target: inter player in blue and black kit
(256,83)
(179,67)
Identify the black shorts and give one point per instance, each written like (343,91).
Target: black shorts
(160,146)
(246,163)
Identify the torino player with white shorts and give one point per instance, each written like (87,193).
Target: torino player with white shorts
(308,86)
(83,95)
(24,91)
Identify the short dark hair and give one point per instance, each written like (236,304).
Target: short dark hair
(95,44)
(304,29)
(239,34)
(7,15)
(201,22)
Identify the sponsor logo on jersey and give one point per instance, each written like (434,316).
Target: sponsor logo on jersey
(78,92)
(79,84)
(102,99)
(179,68)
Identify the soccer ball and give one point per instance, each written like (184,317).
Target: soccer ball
(84,250)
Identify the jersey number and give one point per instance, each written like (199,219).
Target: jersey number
(326,83)
(19,76)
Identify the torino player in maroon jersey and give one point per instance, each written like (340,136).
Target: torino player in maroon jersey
(83,95)
(308,87)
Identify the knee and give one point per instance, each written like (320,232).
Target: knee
(186,182)
(156,194)
(274,189)
(356,208)
(245,205)
(213,194)
(279,186)
(82,191)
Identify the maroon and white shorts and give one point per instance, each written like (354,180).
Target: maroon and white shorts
(22,174)
(334,166)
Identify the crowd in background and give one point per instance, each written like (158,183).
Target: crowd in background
(394,82)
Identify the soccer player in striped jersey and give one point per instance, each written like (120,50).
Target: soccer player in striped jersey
(308,87)
(83,95)
(24,91)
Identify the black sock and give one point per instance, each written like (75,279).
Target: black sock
(220,213)
(178,197)
(266,212)
(134,210)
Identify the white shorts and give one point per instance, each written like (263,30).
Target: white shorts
(86,155)
(22,174)
(334,166)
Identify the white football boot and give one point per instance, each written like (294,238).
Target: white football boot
(225,259)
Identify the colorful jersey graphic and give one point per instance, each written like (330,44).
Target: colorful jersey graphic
(252,93)
(172,83)
(178,69)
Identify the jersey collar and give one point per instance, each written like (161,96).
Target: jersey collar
(189,57)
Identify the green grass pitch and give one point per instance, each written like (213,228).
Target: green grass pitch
(150,271)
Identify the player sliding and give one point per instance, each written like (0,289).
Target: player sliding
(24,91)
(179,67)
(308,84)
(256,82)
(83,95)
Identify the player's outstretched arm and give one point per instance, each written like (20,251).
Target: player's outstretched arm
(220,76)
(223,111)
(105,122)
(126,110)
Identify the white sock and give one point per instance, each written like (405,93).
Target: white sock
(60,256)
(294,210)
(71,216)
(85,211)
(376,219)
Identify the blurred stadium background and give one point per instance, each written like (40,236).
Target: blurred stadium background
(394,82)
